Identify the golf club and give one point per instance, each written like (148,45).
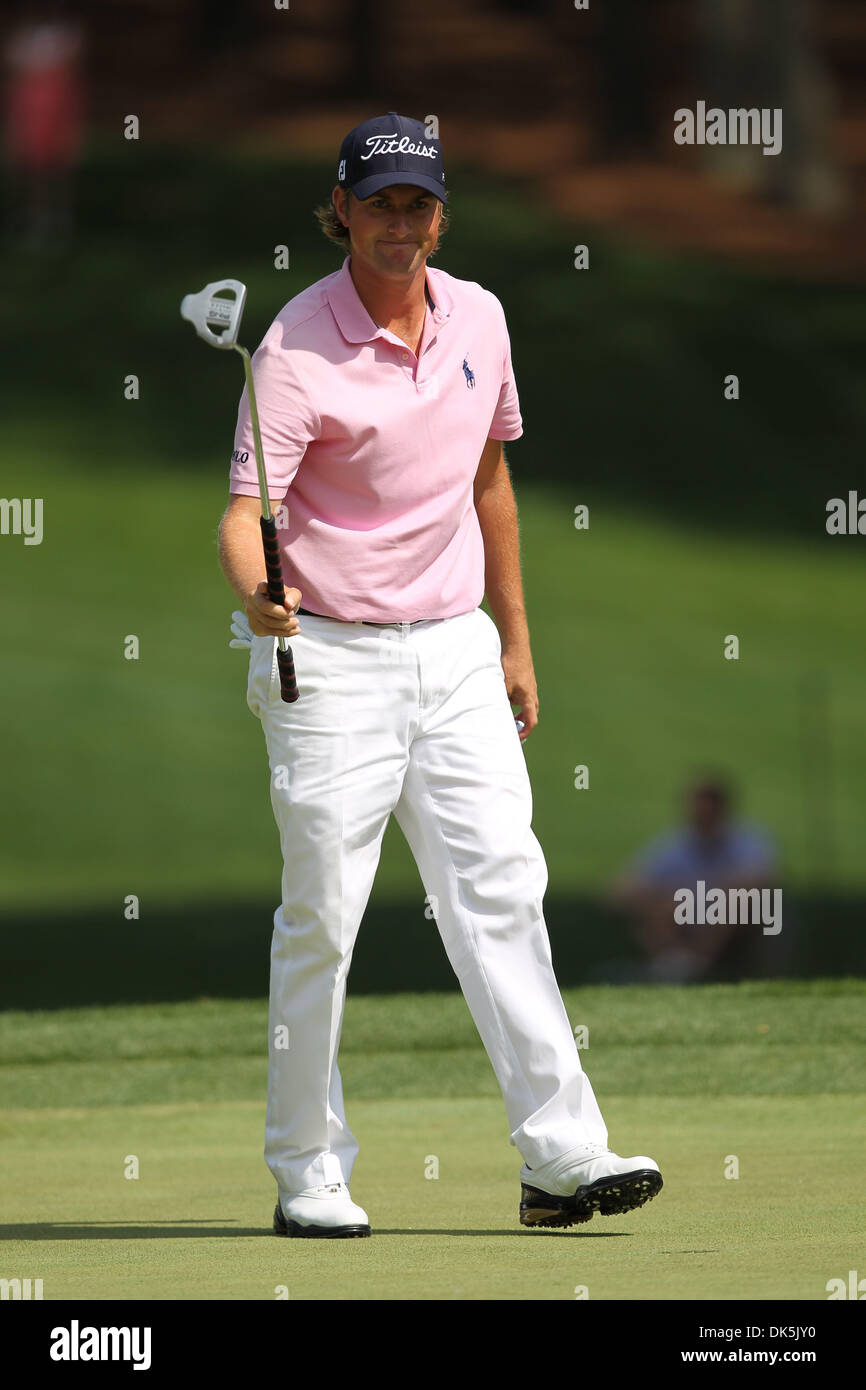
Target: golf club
(217,320)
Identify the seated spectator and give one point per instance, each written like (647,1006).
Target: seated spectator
(721,852)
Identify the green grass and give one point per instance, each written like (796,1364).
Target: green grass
(758,1038)
(149,776)
(195,1224)
(770,1073)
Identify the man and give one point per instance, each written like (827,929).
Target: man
(712,848)
(385,392)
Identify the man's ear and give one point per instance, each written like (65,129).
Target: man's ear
(340,200)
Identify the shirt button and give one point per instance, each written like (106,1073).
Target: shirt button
(405,356)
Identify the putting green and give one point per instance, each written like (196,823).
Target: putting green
(767,1073)
(195,1223)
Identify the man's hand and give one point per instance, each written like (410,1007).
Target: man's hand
(520,684)
(268,619)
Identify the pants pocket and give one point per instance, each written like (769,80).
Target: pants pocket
(262,674)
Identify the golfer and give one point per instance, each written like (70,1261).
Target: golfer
(385,393)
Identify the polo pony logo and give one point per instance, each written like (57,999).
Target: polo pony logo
(469,374)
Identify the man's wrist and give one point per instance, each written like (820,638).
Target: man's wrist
(514,633)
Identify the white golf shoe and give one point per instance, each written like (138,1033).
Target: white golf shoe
(587,1179)
(326,1211)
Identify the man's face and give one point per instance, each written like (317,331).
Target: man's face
(707,811)
(394,231)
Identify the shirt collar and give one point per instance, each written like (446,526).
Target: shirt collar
(352,318)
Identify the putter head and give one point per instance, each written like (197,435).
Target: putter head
(215,316)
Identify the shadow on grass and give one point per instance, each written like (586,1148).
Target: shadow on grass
(220,950)
(198,1230)
(130,1230)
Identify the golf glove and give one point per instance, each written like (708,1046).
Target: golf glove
(243,633)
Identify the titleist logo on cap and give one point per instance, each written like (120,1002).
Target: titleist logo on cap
(390,144)
(389,150)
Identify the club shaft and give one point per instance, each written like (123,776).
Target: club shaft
(257,443)
(257,434)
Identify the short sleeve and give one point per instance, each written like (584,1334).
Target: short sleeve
(661,860)
(506,423)
(755,850)
(287,420)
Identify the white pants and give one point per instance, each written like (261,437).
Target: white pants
(414,720)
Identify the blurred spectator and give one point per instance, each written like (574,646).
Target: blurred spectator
(43,123)
(721,852)
(762,53)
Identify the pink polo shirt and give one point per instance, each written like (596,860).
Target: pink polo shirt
(375,450)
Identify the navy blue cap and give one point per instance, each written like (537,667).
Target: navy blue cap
(387,150)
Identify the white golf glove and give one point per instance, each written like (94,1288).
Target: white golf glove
(243,633)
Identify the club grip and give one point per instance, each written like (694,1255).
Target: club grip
(286,667)
(273,563)
(277,594)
